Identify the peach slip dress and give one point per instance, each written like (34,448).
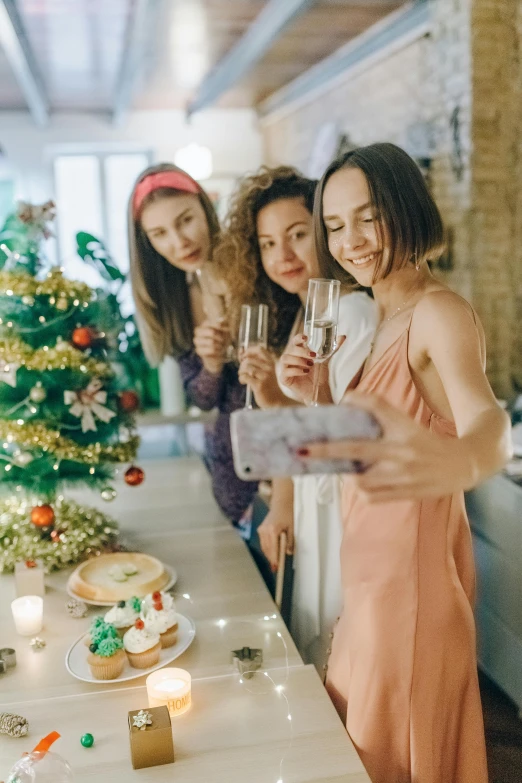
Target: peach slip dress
(403,670)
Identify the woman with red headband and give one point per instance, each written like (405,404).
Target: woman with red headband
(172,232)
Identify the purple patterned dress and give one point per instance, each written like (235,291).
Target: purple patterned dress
(224,392)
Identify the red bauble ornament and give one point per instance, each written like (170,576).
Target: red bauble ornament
(83,337)
(30,564)
(42,516)
(129,401)
(134,476)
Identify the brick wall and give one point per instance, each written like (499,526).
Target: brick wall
(464,82)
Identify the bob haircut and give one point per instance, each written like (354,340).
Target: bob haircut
(160,290)
(238,258)
(407,215)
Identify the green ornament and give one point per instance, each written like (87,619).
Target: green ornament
(87,740)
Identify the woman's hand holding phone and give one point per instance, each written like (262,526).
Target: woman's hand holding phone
(409,462)
(211,342)
(257,369)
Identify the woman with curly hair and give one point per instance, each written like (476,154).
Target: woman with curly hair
(173,229)
(266,255)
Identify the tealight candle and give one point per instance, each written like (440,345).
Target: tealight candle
(28,614)
(170,688)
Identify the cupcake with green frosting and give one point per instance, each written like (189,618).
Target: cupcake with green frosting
(106,657)
(100,629)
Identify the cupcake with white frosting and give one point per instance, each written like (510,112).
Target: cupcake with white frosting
(164,621)
(124,614)
(142,646)
(160,596)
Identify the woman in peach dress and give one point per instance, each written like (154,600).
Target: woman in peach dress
(403,670)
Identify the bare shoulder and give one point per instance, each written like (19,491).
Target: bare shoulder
(443,315)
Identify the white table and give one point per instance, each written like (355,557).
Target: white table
(230,734)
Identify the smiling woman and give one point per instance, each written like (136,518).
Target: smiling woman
(403,669)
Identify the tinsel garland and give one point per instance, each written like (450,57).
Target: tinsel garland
(83,532)
(54,284)
(29,435)
(13,725)
(62,357)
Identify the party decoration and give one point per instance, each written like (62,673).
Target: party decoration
(42,766)
(8,372)
(76,609)
(13,725)
(108,494)
(87,740)
(134,476)
(129,401)
(38,393)
(62,422)
(142,720)
(37,644)
(83,337)
(153,746)
(42,516)
(88,403)
(247,661)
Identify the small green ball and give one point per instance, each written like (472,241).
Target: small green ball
(87,740)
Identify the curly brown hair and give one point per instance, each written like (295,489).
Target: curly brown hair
(237,256)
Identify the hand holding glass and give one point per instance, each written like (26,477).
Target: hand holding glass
(321,318)
(253,330)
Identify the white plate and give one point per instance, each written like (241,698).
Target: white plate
(173,578)
(76,658)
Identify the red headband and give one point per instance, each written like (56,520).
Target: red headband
(177,180)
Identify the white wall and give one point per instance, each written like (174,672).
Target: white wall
(232,136)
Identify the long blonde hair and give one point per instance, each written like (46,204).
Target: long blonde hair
(160,290)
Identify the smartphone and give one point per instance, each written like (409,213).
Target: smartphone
(264,442)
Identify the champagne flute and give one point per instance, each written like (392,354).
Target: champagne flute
(321,318)
(253,330)
(214,302)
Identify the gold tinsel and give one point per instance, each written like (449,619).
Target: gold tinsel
(29,435)
(83,532)
(62,356)
(54,284)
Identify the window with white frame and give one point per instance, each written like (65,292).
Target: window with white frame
(92,192)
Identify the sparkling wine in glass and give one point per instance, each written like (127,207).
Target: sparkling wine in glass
(321,318)
(253,330)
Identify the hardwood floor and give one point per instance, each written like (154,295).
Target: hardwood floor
(503,734)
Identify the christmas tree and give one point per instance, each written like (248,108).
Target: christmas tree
(64,421)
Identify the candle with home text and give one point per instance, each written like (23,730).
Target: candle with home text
(170,688)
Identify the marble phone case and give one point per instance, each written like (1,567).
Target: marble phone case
(264,442)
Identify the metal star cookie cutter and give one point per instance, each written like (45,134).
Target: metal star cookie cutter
(8,655)
(142,720)
(247,661)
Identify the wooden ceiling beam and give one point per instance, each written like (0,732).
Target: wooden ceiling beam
(19,53)
(395,30)
(140,28)
(259,37)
